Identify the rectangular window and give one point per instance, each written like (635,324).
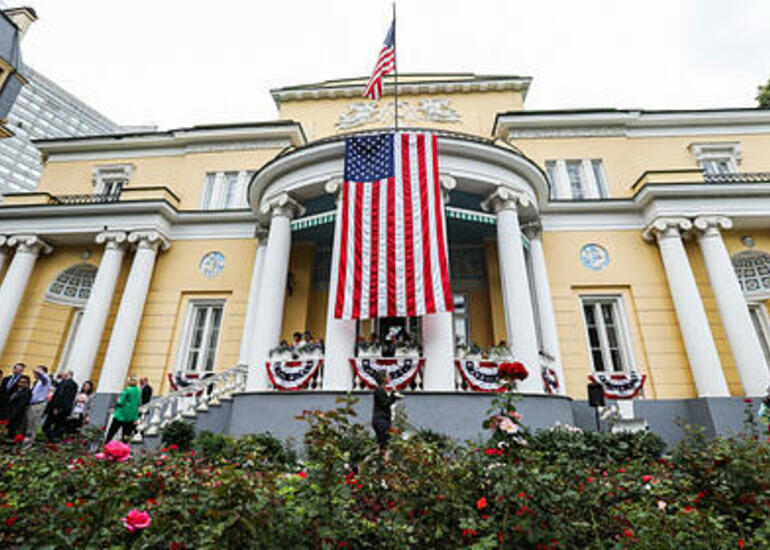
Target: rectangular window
(575,175)
(762,325)
(208,192)
(461,320)
(550,169)
(231,189)
(204,322)
(714,167)
(606,333)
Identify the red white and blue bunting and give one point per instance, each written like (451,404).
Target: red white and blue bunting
(402,370)
(293,375)
(550,380)
(480,375)
(619,385)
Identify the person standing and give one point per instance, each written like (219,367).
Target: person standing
(8,386)
(59,407)
(38,401)
(126,412)
(381,416)
(146,390)
(81,410)
(17,406)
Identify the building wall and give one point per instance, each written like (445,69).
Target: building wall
(625,159)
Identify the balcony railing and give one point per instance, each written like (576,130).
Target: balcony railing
(131,194)
(697,176)
(85,199)
(738,177)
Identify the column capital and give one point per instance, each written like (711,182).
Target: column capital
(661,228)
(709,226)
(282,205)
(3,242)
(112,239)
(533,230)
(504,198)
(30,243)
(149,239)
(333,186)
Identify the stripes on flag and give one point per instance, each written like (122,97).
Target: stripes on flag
(393,255)
(386,64)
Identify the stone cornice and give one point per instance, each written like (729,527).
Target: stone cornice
(435,85)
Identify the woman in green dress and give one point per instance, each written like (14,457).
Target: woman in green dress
(126,411)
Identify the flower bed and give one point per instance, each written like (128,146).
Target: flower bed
(560,488)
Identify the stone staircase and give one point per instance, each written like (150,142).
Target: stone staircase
(197,403)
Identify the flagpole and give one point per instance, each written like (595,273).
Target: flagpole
(395,71)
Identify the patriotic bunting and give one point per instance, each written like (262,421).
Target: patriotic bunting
(293,375)
(402,371)
(619,385)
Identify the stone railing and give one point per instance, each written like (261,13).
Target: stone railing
(86,199)
(188,401)
(738,177)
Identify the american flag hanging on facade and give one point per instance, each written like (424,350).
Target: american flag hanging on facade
(393,258)
(386,64)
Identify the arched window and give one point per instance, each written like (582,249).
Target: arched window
(73,285)
(753,270)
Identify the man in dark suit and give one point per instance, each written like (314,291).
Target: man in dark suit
(59,407)
(9,385)
(146,390)
(17,406)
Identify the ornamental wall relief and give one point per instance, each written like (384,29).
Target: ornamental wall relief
(369,112)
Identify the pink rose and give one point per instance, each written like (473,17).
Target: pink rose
(136,519)
(115,450)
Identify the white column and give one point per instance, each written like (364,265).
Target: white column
(272,288)
(28,248)
(89,334)
(126,328)
(247,339)
(519,317)
(438,343)
(698,340)
(544,303)
(340,338)
(743,338)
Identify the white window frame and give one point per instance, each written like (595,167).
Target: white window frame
(592,179)
(626,349)
(709,153)
(110,179)
(225,190)
(185,342)
(465,316)
(758,311)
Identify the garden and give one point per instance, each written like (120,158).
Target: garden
(558,488)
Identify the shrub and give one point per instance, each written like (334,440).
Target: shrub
(179,433)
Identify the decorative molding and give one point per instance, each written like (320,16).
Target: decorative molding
(594,256)
(104,173)
(149,239)
(585,131)
(30,243)
(112,239)
(212,264)
(360,113)
(665,228)
(504,199)
(709,226)
(239,146)
(282,205)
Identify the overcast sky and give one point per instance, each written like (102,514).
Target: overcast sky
(175,63)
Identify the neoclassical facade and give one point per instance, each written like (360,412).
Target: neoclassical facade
(586,241)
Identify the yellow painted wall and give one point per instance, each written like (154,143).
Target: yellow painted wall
(625,159)
(477,112)
(497,313)
(183,174)
(636,273)
(296,306)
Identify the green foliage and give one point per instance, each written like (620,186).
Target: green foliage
(559,488)
(763,96)
(179,433)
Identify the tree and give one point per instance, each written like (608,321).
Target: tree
(763,96)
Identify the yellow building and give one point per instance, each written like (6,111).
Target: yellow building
(591,241)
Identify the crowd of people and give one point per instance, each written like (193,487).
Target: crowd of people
(61,407)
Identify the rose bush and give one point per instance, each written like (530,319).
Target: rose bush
(560,488)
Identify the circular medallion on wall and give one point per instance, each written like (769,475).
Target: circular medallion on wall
(212,264)
(594,256)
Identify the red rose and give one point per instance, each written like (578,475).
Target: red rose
(514,371)
(173,447)
(747,400)
(303,475)
(18,438)
(628,533)
(647,478)
(481,503)
(136,519)
(11,520)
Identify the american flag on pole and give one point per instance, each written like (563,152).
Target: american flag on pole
(393,259)
(386,64)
